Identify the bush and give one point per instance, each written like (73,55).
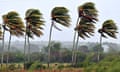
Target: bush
(36,66)
(27,65)
(60,67)
(40,66)
(12,67)
(78,65)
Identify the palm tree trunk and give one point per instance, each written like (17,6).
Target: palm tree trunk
(25,51)
(73,50)
(76,50)
(8,51)
(28,50)
(98,57)
(2,53)
(49,44)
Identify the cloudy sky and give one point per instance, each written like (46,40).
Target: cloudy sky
(108,9)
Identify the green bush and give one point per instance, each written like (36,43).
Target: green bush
(115,67)
(27,65)
(78,65)
(40,66)
(36,66)
(61,67)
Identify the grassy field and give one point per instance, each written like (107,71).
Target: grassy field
(54,68)
(103,66)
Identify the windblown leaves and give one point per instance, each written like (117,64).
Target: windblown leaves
(85,30)
(34,22)
(88,9)
(88,14)
(60,15)
(13,23)
(109,28)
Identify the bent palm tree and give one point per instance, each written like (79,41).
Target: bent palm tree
(1,38)
(34,21)
(85,27)
(13,23)
(108,28)
(59,15)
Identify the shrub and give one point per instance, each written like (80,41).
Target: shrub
(60,67)
(40,66)
(27,65)
(12,67)
(78,65)
(36,66)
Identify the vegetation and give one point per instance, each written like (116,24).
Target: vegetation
(109,28)
(59,15)
(15,26)
(85,27)
(56,57)
(34,24)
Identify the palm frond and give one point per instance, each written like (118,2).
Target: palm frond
(37,32)
(57,27)
(84,30)
(12,14)
(13,23)
(80,33)
(61,16)
(35,20)
(32,12)
(88,12)
(109,28)
(109,24)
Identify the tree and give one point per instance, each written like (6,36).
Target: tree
(83,49)
(85,27)
(55,51)
(2,47)
(97,47)
(108,28)
(34,22)
(12,23)
(59,15)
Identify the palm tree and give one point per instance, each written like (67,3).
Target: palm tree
(108,28)
(34,21)
(84,27)
(58,15)
(2,47)
(12,23)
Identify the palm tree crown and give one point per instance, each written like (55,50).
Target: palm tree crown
(88,11)
(88,14)
(109,28)
(60,15)
(34,22)
(13,23)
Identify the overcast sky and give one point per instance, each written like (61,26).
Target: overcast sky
(108,9)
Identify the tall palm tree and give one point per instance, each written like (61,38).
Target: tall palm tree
(34,21)
(58,15)
(108,28)
(85,26)
(12,23)
(2,47)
